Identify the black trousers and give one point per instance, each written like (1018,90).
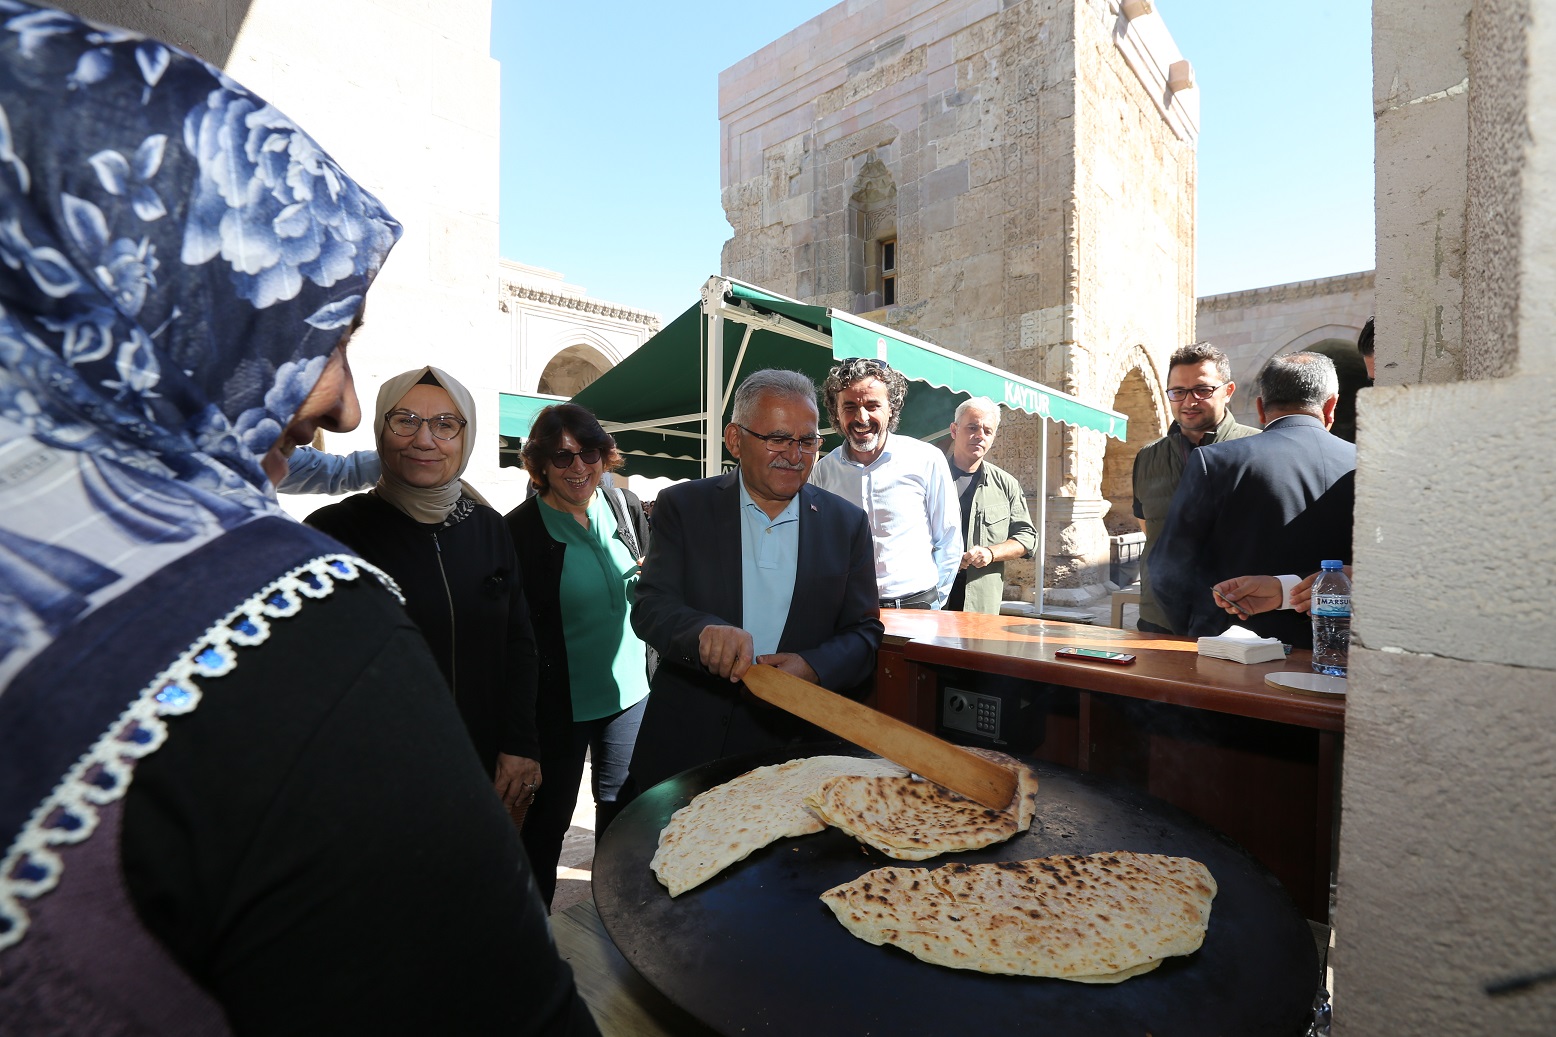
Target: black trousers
(607,742)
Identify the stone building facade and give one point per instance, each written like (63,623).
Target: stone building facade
(1322,316)
(556,339)
(1010,180)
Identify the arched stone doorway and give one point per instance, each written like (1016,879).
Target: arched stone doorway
(1136,400)
(571,370)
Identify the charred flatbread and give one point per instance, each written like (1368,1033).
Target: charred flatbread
(1096,919)
(914,820)
(729,822)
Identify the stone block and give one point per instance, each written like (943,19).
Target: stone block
(1426,51)
(937,220)
(1485,594)
(1445,852)
(1421,239)
(943,185)
(1023,261)
(471,183)
(978,303)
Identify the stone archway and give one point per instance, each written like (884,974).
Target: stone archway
(1136,400)
(572,369)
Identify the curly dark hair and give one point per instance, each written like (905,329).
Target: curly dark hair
(857,369)
(545,438)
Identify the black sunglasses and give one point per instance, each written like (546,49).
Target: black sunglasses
(564,458)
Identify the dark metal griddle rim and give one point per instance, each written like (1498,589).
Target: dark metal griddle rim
(699,951)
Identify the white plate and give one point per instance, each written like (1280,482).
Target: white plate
(1296,680)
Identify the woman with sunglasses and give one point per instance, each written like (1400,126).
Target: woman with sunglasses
(580,546)
(455,565)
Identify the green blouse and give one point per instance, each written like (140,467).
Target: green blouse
(606,665)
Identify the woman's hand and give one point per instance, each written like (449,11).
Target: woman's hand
(517,781)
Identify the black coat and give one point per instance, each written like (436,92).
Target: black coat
(692,579)
(464,590)
(1267,505)
(540,559)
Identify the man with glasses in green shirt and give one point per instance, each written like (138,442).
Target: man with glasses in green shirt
(1199,388)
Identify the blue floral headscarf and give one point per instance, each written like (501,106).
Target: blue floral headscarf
(177,263)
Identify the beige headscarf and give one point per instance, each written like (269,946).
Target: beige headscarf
(426,504)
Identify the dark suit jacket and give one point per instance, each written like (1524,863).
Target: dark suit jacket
(692,579)
(1279,502)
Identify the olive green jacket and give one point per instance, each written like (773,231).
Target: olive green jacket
(999,513)
(1158,467)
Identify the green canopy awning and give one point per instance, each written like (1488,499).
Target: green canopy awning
(923,362)
(516,411)
(656,402)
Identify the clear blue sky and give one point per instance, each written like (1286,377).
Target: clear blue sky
(610,168)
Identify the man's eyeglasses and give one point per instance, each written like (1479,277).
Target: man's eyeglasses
(1201,392)
(442,426)
(564,458)
(780,442)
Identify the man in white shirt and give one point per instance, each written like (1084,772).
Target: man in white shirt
(903,485)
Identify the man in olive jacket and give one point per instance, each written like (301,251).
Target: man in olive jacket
(1199,386)
(996,525)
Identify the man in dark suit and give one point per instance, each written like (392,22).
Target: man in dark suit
(1278,502)
(755,565)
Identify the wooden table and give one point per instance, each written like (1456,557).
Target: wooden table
(1259,763)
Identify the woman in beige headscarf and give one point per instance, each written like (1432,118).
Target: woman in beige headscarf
(453,558)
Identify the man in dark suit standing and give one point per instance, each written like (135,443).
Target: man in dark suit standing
(1278,502)
(755,565)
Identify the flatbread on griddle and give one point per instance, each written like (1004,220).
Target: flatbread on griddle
(1096,919)
(915,820)
(729,822)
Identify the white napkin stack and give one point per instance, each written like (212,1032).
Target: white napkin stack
(1241,645)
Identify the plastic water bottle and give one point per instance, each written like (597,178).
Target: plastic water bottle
(1331,612)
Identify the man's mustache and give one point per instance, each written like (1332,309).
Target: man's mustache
(784,465)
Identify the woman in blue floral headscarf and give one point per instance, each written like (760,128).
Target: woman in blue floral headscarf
(314,847)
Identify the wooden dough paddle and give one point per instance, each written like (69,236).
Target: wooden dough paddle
(980,780)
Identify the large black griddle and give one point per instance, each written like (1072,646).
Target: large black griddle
(754,950)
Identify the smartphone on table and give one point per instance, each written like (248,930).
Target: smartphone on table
(1095,655)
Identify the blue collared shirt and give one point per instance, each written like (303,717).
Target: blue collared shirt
(769,562)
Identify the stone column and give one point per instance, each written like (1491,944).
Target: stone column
(1078,549)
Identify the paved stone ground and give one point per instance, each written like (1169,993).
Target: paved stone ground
(573,870)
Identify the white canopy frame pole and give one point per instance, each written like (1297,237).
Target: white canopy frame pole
(1042,512)
(713,393)
(740,359)
(713,377)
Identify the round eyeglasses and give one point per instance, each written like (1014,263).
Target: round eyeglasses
(564,458)
(442,426)
(1201,392)
(780,442)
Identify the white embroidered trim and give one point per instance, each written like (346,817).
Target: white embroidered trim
(102,775)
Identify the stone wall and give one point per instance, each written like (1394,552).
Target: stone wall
(1446,842)
(1253,326)
(404,94)
(1037,173)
